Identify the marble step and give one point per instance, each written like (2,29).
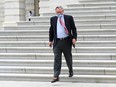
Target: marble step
(49,70)
(103,4)
(45,32)
(1,5)
(95,1)
(74,10)
(75,13)
(1,14)
(50,63)
(96,31)
(1,19)
(46,27)
(45,38)
(22,32)
(41,49)
(1,1)
(97,26)
(77,22)
(96,37)
(1,10)
(78,17)
(50,56)
(95,44)
(45,43)
(90,8)
(64,78)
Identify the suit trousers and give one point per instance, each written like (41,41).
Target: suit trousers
(65,47)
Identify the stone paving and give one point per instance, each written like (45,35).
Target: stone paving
(48,84)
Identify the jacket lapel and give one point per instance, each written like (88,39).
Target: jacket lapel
(55,23)
(66,21)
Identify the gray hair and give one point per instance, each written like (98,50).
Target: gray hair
(59,7)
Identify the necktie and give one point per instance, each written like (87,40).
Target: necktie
(62,23)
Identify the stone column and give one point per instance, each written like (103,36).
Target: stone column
(36,7)
(14,12)
(44,6)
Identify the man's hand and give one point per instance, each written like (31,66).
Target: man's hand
(74,41)
(50,44)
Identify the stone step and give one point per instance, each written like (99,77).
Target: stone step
(25,38)
(95,1)
(1,5)
(22,32)
(2,15)
(26,27)
(96,26)
(45,43)
(33,23)
(2,1)
(45,32)
(22,49)
(1,19)
(50,63)
(1,11)
(45,38)
(103,4)
(104,22)
(96,37)
(90,11)
(77,22)
(78,49)
(95,44)
(64,78)
(90,8)
(46,27)
(96,31)
(95,63)
(29,58)
(50,56)
(78,17)
(49,70)
(1,22)
(75,13)
(96,50)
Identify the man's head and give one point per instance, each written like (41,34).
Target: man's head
(59,9)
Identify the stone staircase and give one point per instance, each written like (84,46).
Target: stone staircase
(1,11)
(25,55)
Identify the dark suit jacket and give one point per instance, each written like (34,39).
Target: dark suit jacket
(69,22)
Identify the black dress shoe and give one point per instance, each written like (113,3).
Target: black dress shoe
(70,74)
(55,80)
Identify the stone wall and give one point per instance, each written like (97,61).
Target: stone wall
(17,10)
(49,5)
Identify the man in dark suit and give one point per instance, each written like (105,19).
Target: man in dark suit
(62,35)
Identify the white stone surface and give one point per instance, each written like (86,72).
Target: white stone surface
(14,11)
(48,84)
(1,12)
(23,48)
(49,5)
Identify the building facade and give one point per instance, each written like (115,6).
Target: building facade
(13,11)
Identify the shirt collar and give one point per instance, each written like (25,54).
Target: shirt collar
(60,15)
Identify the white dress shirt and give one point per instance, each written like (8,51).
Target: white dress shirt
(60,29)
